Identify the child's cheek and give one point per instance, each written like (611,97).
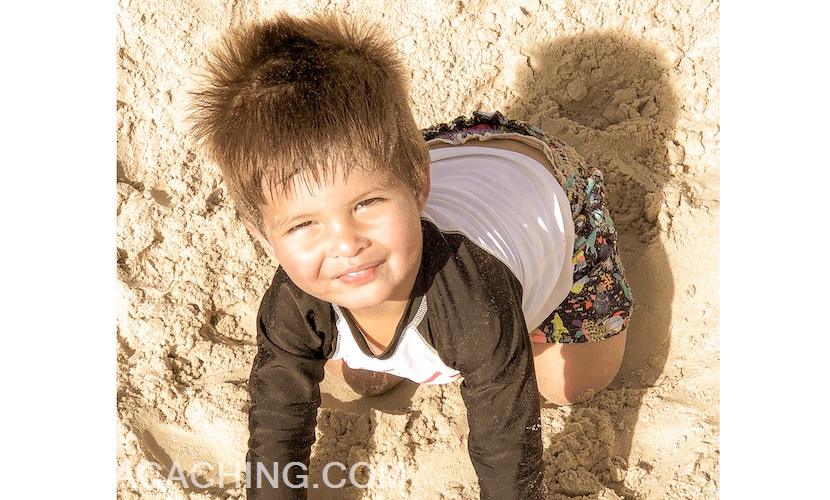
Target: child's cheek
(301,262)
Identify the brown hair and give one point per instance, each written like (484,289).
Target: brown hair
(292,95)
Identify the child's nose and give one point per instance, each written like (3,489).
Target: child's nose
(346,239)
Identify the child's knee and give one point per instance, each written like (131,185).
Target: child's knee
(364,382)
(573,373)
(558,395)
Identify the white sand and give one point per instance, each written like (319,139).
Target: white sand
(633,86)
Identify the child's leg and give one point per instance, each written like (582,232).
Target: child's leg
(363,382)
(567,372)
(579,347)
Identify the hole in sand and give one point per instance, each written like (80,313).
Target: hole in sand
(162,197)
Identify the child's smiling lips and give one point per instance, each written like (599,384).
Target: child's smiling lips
(358,275)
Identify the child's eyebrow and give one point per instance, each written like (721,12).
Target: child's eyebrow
(291,219)
(369,193)
(372,191)
(286,220)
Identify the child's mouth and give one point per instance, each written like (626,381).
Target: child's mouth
(360,276)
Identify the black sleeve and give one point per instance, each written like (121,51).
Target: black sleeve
(490,346)
(284,388)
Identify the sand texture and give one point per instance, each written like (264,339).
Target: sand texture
(633,86)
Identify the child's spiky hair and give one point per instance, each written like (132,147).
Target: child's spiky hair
(292,95)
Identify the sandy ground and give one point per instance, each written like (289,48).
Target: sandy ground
(633,86)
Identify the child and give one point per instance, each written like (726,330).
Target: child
(435,260)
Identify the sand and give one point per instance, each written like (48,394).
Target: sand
(633,86)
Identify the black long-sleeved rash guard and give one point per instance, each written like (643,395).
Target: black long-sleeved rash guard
(474,322)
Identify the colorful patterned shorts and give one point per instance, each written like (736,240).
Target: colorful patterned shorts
(599,303)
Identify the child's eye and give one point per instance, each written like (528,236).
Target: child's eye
(299,227)
(366,203)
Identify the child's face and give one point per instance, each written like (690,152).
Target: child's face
(354,242)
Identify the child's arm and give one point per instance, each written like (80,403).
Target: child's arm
(489,344)
(502,400)
(285,393)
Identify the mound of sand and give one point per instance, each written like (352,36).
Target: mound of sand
(632,86)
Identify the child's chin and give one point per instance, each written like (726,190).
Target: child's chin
(362,303)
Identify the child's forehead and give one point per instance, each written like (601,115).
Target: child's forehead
(308,183)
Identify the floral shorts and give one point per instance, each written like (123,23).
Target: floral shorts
(599,303)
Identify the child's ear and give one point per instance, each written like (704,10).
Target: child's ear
(256,233)
(423,193)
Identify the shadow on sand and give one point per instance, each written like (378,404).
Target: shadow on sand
(612,99)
